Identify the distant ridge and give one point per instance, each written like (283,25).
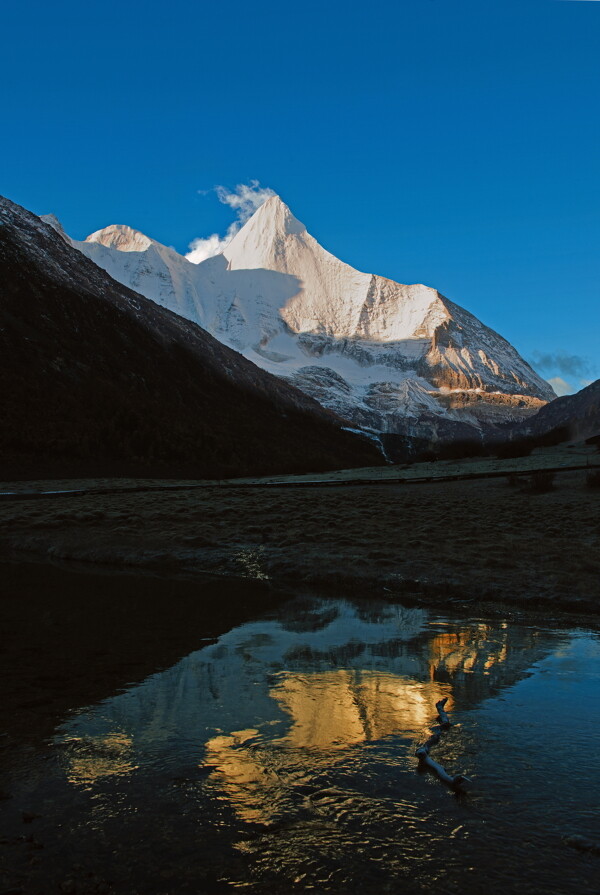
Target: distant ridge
(578,414)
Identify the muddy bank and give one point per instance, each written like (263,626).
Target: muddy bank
(470,541)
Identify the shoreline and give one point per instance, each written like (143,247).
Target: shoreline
(460,541)
(75,633)
(438,595)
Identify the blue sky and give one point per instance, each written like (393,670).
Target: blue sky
(450,142)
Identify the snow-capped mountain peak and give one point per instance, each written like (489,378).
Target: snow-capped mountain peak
(333,297)
(121,237)
(271,222)
(389,356)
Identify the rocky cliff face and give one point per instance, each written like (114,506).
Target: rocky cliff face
(388,356)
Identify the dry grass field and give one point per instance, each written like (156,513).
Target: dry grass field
(459,540)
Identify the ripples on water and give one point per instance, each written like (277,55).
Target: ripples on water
(281,759)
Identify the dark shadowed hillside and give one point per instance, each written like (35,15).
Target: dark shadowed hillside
(98,380)
(578,415)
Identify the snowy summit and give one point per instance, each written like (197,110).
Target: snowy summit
(387,356)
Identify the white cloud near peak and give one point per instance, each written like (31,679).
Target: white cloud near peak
(244,199)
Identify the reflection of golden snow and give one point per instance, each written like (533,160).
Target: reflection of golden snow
(333,710)
(90,758)
(463,650)
(496,658)
(336,709)
(329,710)
(243,772)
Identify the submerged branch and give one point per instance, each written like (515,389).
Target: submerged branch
(458,782)
(444,719)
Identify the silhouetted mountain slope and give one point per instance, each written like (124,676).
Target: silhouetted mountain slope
(97,378)
(579,414)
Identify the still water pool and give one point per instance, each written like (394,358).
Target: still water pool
(280,759)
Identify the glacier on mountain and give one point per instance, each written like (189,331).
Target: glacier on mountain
(386,356)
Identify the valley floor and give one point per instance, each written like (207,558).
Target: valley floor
(438,541)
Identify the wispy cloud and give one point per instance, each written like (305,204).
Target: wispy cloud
(560,362)
(244,199)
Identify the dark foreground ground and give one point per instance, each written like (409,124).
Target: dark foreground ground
(474,540)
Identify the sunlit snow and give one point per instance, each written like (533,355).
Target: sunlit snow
(374,350)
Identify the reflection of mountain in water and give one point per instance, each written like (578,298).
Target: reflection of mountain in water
(275,699)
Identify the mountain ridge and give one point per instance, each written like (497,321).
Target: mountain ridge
(578,414)
(375,351)
(97,377)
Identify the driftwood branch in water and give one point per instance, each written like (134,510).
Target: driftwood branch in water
(432,741)
(459,782)
(444,719)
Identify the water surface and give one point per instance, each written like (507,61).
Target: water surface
(280,758)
